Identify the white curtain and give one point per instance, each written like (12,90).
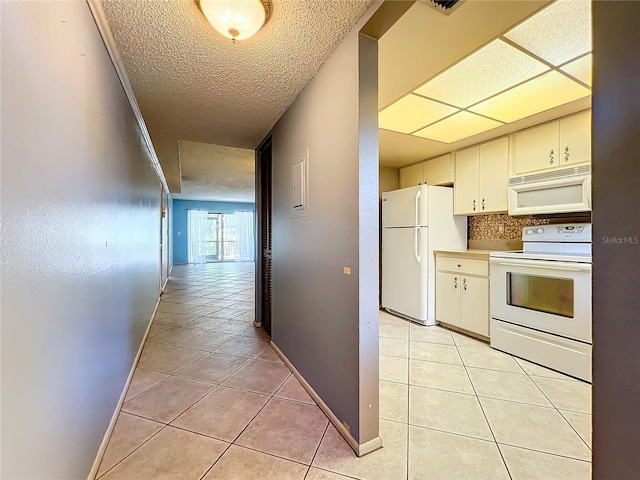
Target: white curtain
(197,235)
(246,243)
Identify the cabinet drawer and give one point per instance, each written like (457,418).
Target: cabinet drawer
(463,265)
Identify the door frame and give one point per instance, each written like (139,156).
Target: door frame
(265,145)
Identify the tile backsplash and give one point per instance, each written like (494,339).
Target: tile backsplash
(500,226)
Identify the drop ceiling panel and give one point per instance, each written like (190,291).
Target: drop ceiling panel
(580,68)
(559,33)
(547,91)
(423,42)
(411,113)
(399,149)
(456,127)
(495,67)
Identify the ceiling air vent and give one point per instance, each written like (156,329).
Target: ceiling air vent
(443,6)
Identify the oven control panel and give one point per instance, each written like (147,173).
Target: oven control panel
(566,232)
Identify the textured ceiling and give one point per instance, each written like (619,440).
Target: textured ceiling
(216,173)
(193,84)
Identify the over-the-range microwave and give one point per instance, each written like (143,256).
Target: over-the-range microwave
(564,190)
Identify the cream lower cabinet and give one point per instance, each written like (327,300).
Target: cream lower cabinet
(462,292)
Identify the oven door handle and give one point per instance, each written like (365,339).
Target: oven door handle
(562,266)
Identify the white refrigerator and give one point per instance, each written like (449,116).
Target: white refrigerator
(415,222)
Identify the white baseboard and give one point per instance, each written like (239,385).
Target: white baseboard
(359,449)
(105,440)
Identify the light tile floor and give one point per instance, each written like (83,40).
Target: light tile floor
(211,400)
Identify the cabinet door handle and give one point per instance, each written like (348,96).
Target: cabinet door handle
(459,265)
(455,282)
(474,205)
(551,158)
(483,203)
(566,154)
(464,283)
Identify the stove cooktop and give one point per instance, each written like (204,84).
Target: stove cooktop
(548,256)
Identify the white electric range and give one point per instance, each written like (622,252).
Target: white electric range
(541,298)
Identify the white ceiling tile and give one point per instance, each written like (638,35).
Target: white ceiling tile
(580,68)
(495,67)
(558,33)
(547,91)
(411,113)
(456,127)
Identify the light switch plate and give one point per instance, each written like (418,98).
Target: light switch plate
(298,185)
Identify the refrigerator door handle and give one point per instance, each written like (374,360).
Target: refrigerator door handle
(417,208)
(415,244)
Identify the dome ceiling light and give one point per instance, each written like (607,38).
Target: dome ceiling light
(236,19)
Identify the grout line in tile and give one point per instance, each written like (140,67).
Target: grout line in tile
(258,412)
(217,459)
(326,429)
(147,389)
(271,455)
(181,368)
(408,417)
(558,410)
(550,407)
(157,353)
(545,452)
(164,425)
(567,379)
(473,367)
(197,433)
(199,398)
(486,419)
(444,390)
(177,375)
(438,430)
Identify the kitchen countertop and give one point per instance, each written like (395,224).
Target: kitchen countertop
(474,253)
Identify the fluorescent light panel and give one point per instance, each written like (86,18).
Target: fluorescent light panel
(558,33)
(411,113)
(547,91)
(456,127)
(495,67)
(580,68)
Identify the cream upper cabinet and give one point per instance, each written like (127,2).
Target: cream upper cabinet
(438,171)
(575,139)
(481,177)
(537,148)
(564,142)
(466,186)
(494,175)
(411,176)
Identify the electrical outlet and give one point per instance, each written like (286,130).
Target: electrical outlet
(501,228)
